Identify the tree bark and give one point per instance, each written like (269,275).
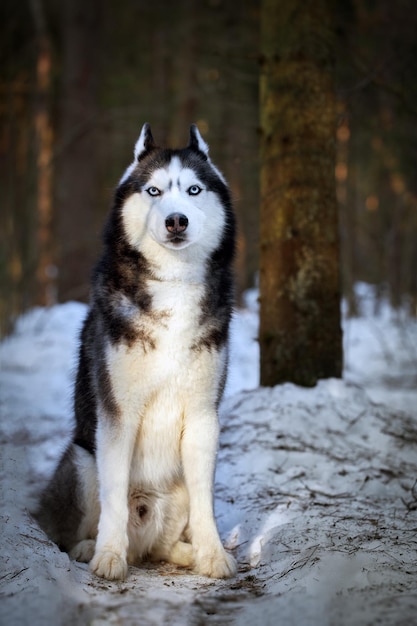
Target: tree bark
(77,149)
(46,270)
(300,332)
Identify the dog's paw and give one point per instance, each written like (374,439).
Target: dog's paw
(83,551)
(216,563)
(182,554)
(109,565)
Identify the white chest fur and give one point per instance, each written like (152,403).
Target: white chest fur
(156,386)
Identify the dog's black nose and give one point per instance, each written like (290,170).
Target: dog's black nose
(176,223)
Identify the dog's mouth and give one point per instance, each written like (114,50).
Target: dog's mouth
(177,239)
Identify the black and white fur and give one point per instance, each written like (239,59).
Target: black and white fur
(137,479)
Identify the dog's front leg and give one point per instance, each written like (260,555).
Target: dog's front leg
(115,442)
(199,447)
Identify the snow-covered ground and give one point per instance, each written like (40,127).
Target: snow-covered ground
(316,488)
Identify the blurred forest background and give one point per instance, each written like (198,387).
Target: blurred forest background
(79,77)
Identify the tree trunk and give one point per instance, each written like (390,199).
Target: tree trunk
(45,271)
(300,333)
(77,150)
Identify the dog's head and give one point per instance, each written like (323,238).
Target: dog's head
(173,198)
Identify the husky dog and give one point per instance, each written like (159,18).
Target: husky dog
(137,479)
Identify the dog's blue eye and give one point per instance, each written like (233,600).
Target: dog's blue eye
(153,191)
(194,190)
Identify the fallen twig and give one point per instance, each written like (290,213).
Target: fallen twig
(412,504)
(296,565)
(10,576)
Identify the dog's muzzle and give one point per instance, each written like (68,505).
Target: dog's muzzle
(176,225)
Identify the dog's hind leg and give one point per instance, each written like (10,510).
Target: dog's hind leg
(182,554)
(83,551)
(60,510)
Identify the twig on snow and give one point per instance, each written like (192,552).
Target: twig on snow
(10,576)
(297,564)
(412,504)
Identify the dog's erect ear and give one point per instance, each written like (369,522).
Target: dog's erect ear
(145,143)
(197,143)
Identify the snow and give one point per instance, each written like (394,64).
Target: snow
(316,489)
